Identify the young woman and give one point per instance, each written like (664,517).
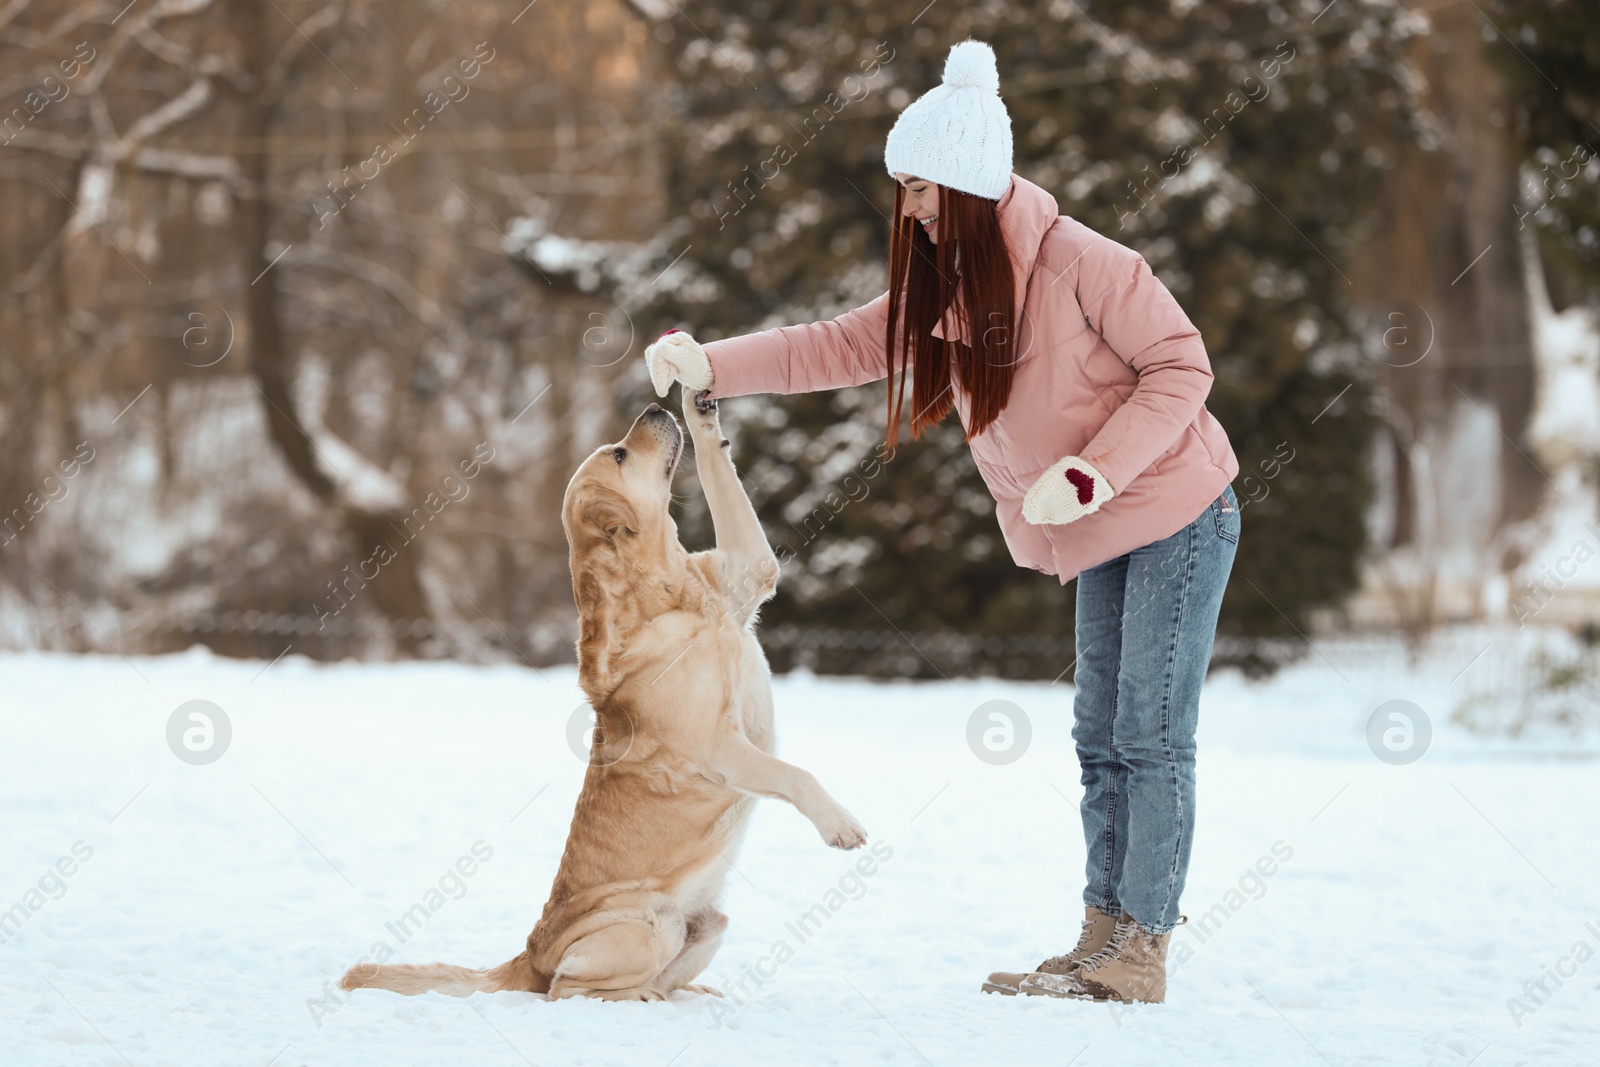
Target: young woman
(1081,385)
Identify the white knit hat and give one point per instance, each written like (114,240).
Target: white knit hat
(957,134)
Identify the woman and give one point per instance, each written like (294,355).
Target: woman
(1081,386)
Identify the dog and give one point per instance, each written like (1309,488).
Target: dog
(683,743)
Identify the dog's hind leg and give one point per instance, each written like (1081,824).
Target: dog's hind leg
(681,972)
(621,952)
(704,938)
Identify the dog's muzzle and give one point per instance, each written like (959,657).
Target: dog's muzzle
(664,427)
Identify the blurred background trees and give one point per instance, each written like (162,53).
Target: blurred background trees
(290,272)
(275,236)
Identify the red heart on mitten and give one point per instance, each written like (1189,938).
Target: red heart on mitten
(1082,483)
(670,332)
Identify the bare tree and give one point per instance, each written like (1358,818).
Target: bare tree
(318,196)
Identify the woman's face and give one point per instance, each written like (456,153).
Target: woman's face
(922,202)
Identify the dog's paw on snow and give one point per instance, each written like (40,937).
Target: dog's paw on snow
(845,834)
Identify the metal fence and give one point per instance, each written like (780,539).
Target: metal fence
(1516,669)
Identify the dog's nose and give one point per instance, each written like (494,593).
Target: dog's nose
(652,409)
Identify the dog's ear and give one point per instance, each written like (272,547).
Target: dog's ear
(610,515)
(587,592)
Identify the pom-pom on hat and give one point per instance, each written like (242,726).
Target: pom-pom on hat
(957,134)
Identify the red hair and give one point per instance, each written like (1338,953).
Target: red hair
(925,275)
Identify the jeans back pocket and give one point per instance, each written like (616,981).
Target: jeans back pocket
(1226,510)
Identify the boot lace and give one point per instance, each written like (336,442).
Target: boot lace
(1121,934)
(1084,939)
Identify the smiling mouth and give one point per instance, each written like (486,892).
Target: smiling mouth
(928,223)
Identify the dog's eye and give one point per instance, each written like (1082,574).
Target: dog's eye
(620,454)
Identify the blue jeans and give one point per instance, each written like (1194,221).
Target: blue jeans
(1146,622)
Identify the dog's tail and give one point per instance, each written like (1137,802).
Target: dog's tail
(411,979)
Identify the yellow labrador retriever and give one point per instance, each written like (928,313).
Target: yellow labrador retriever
(684,738)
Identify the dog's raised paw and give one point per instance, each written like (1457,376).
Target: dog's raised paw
(847,835)
(701,417)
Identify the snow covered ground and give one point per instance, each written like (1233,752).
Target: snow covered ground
(1343,909)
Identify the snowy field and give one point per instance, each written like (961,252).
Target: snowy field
(1355,911)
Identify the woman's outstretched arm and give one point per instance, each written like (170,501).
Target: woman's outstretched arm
(848,350)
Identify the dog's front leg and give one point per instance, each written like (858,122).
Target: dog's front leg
(738,763)
(749,567)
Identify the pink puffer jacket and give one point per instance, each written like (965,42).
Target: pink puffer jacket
(1110,369)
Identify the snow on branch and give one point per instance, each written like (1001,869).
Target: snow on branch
(636,272)
(655,10)
(358,483)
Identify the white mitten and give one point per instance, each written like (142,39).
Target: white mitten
(1066,491)
(677,357)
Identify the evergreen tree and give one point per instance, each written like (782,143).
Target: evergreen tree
(1549,53)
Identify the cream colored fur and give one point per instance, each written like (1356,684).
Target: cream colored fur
(684,739)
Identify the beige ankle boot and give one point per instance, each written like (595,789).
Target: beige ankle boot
(1131,968)
(1096,933)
